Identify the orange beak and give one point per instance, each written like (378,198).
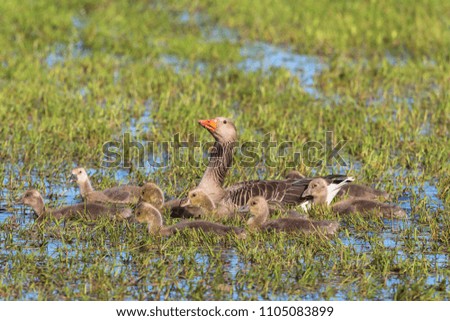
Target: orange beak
(209,124)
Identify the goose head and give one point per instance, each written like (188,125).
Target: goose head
(259,211)
(257,206)
(317,189)
(198,198)
(34,199)
(152,194)
(221,128)
(79,175)
(31,197)
(147,213)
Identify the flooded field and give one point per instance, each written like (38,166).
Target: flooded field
(76,76)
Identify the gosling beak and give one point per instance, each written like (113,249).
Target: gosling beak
(209,124)
(306,193)
(73,178)
(244,209)
(185,202)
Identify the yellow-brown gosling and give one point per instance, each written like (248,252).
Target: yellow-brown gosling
(152,194)
(201,205)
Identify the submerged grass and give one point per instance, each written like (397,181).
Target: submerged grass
(76,74)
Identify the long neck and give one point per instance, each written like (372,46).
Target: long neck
(39,206)
(259,219)
(85,187)
(220,160)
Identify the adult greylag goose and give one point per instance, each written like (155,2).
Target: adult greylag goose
(318,191)
(283,192)
(259,209)
(220,159)
(350,190)
(89,210)
(147,213)
(126,194)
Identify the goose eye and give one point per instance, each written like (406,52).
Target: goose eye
(253,203)
(224,121)
(194,195)
(79,172)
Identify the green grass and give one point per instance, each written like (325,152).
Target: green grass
(76,74)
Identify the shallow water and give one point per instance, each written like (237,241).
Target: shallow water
(233,264)
(263,56)
(62,52)
(255,55)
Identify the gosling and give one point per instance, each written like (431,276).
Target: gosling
(259,209)
(34,199)
(317,190)
(200,204)
(152,194)
(350,190)
(126,194)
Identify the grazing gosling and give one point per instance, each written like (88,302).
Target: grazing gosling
(147,213)
(259,210)
(126,194)
(34,199)
(318,190)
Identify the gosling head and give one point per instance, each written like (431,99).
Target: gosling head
(147,213)
(259,211)
(198,198)
(317,188)
(152,194)
(258,206)
(221,128)
(79,175)
(31,197)
(34,199)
